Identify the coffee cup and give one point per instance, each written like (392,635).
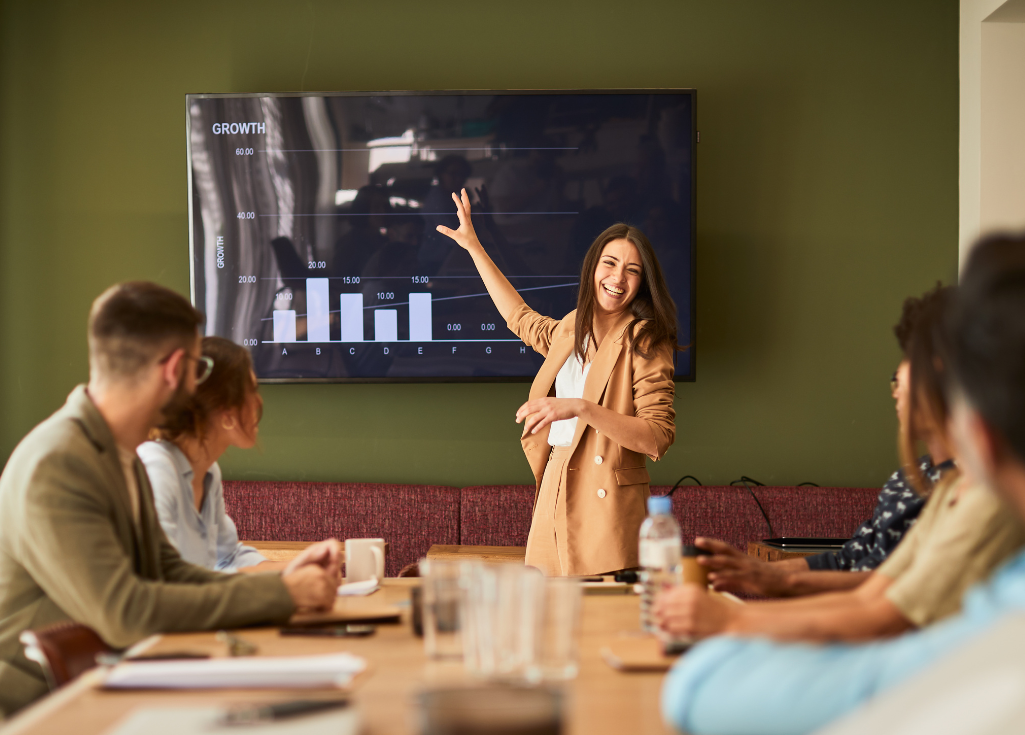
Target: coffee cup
(693,571)
(364,559)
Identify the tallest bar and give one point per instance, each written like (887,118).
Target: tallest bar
(318,317)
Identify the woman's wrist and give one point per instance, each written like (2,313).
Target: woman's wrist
(585,411)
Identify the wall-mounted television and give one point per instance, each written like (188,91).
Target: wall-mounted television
(312,221)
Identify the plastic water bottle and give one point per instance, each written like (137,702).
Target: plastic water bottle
(660,550)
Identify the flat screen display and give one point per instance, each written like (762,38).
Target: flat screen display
(313,216)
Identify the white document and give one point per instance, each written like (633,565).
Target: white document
(298,672)
(205,720)
(359,589)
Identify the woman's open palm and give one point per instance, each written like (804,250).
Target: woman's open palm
(465,236)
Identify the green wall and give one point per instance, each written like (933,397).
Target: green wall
(827,192)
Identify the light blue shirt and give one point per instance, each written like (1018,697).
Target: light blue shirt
(207,537)
(757,687)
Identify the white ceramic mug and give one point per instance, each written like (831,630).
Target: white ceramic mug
(364,558)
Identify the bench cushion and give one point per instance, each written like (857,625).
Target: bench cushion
(732,515)
(499,515)
(496,515)
(410,517)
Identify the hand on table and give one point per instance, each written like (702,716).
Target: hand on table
(687,610)
(311,587)
(327,555)
(731,570)
(541,412)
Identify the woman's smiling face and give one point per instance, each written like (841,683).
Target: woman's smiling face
(617,279)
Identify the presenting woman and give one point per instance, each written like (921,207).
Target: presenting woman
(182,464)
(601,402)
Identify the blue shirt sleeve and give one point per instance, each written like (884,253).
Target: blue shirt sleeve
(231,553)
(754,686)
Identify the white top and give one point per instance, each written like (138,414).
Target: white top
(569,383)
(206,537)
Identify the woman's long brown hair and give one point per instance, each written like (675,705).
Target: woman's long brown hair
(652,308)
(927,405)
(229,386)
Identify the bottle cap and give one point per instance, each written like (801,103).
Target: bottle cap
(660,505)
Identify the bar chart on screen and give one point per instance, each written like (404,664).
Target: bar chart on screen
(379,315)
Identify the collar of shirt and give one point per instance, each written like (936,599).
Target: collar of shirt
(184,468)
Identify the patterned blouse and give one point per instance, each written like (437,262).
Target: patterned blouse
(895,513)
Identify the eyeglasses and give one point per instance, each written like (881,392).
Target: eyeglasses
(204,365)
(894,381)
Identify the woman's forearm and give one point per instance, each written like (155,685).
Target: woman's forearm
(853,620)
(628,432)
(811,582)
(506,297)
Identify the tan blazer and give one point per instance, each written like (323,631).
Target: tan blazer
(606,485)
(70,550)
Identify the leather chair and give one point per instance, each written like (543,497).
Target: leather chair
(63,650)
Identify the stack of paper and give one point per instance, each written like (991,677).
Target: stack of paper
(358,589)
(298,672)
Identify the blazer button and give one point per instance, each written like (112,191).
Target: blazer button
(597,459)
(601,492)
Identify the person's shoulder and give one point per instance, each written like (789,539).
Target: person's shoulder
(158,457)
(55,456)
(59,436)
(156,453)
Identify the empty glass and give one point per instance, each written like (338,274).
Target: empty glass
(441,609)
(555,631)
(518,625)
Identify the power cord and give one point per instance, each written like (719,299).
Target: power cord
(747,482)
(696,482)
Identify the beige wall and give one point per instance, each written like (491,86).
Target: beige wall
(992,108)
(1002,180)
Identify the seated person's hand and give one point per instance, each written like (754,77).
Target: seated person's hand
(688,611)
(311,586)
(730,570)
(327,555)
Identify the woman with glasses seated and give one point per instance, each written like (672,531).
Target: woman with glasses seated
(182,463)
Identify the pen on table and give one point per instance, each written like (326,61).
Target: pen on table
(248,715)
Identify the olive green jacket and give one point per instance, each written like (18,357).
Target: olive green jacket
(69,549)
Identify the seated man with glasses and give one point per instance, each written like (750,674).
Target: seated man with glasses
(79,535)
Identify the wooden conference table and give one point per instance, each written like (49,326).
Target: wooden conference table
(601,700)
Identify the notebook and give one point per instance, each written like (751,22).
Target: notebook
(270,672)
(190,720)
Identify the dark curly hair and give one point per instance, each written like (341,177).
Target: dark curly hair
(920,334)
(986,328)
(230,386)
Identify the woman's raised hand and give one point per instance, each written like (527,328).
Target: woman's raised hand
(465,235)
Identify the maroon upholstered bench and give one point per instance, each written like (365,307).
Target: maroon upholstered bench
(413,517)
(499,515)
(731,514)
(410,517)
(495,515)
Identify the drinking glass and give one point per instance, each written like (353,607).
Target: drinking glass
(499,610)
(555,630)
(441,609)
